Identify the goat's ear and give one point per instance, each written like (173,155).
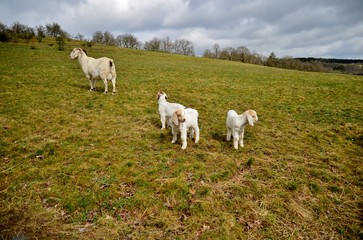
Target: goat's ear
(175,119)
(84,51)
(250,119)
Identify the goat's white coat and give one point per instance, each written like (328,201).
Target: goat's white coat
(182,121)
(236,125)
(166,109)
(103,68)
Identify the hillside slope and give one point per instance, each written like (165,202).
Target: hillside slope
(85,165)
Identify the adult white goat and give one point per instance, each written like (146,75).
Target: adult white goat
(166,109)
(182,121)
(103,68)
(236,125)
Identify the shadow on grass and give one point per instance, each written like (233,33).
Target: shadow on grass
(81,86)
(218,136)
(85,86)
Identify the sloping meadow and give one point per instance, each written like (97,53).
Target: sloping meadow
(87,165)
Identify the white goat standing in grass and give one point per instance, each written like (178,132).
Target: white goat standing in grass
(166,109)
(182,121)
(236,125)
(103,68)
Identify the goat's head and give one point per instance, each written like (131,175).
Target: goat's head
(251,117)
(178,117)
(75,53)
(161,94)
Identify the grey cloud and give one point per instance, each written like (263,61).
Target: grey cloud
(287,27)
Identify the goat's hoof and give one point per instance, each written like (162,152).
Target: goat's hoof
(113,93)
(105,92)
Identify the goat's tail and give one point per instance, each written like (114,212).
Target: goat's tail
(112,69)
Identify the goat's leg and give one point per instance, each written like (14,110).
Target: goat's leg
(106,85)
(94,84)
(91,83)
(168,121)
(241,137)
(229,134)
(235,139)
(174,132)
(196,134)
(183,137)
(113,86)
(191,133)
(162,119)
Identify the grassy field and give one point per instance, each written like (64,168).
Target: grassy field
(77,164)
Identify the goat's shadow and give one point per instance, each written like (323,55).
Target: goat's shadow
(80,86)
(165,136)
(218,136)
(87,87)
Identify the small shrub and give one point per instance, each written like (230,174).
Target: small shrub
(250,162)
(335,189)
(61,42)
(314,188)
(89,43)
(203,190)
(291,186)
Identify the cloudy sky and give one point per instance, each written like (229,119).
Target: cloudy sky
(297,28)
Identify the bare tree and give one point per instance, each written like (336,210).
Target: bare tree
(243,53)
(216,50)
(53,30)
(41,32)
(4,32)
(79,37)
(97,37)
(108,38)
(166,45)
(226,53)
(153,44)
(20,31)
(186,47)
(128,40)
(208,54)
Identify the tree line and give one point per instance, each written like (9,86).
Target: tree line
(18,31)
(243,54)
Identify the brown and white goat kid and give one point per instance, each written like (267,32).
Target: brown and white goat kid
(236,125)
(182,121)
(103,68)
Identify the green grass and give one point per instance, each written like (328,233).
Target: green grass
(84,165)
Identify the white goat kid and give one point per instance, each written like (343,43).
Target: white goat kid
(182,121)
(166,109)
(103,68)
(236,125)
